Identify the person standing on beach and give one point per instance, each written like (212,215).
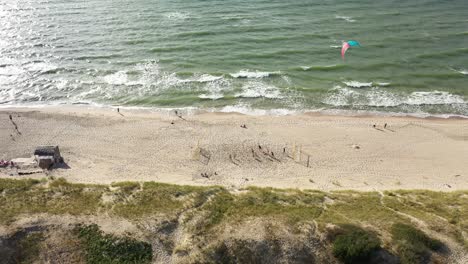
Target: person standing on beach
(385,126)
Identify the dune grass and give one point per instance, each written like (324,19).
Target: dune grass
(104,248)
(445,213)
(29,247)
(354,244)
(413,245)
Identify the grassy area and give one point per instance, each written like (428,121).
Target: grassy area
(29,248)
(444,213)
(413,245)
(58,197)
(353,244)
(103,248)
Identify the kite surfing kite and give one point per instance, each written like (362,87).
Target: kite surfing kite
(348,44)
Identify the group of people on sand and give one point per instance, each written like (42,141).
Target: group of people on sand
(6,163)
(384,126)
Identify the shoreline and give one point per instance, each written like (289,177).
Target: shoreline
(342,152)
(241,111)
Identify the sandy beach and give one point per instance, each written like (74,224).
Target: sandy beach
(307,151)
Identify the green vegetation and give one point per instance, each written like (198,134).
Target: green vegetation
(354,244)
(212,208)
(60,197)
(126,187)
(435,209)
(291,205)
(29,247)
(158,198)
(413,245)
(104,248)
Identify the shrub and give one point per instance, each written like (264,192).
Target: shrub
(354,244)
(104,248)
(413,245)
(29,248)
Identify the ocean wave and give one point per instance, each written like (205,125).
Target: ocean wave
(383,84)
(356,84)
(207,78)
(212,96)
(462,71)
(253,74)
(377,97)
(97,57)
(118,78)
(257,89)
(248,110)
(346,18)
(215,86)
(177,15)
(433,98)
(11,70)
(324,67)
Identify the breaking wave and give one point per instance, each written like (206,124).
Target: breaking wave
(376,97)
(253,74)
(346,18)
(257,89)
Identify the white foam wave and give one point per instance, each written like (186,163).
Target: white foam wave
(335,46)
(11,70)
(177,15)
(464,72)
(433,98)
(207,78)
(215,88)
(347,18)
(40,67)
(252,74)
(257,89)
(248,110)
(376,97)
(383,83)
(118,78)
(305,68)
(213,96)
(356,84)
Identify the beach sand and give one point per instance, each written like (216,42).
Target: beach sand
(310,151)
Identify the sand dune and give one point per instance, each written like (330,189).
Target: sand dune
(303,151)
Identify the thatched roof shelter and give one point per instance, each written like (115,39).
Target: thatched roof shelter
(47,156)
(47,151)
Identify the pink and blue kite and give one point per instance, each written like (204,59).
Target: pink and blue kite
(348,44)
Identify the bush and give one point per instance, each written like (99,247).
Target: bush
(29,248)
(413,245)
(104,248)
(354,244)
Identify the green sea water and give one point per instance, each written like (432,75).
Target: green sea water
(237,55)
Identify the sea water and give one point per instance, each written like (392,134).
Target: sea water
(237,55)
